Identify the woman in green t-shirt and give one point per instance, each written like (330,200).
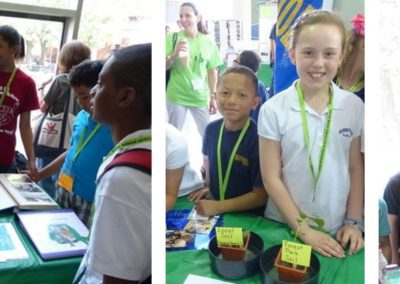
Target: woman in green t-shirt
(193,58)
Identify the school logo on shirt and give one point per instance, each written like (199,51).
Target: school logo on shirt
(346,132)
(6,115)
(7,111)
(243,160)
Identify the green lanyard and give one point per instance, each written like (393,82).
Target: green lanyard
(127,143)
(355,87)
(223,182)
(121,145)
(82,144)
(7,89)
(307,135)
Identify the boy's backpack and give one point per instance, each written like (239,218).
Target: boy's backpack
(139,159)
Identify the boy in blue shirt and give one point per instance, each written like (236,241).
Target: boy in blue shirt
(119,249)
(90,142)
(230,149)
(252,60)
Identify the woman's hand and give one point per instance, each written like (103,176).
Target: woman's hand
(212,108)
(350,234)
(198,194)
(322,243)
(181,45)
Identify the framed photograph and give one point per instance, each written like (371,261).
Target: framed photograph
(11,246)
(55,233)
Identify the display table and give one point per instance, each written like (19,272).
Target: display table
(180,264)
(34,269)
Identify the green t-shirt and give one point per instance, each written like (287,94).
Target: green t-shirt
(188,86)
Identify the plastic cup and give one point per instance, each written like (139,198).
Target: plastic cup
(184,55)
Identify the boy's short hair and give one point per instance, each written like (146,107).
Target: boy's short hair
(132,68)
(85,73)
(250,59)
(243,70)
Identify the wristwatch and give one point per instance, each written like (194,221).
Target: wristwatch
(354,222)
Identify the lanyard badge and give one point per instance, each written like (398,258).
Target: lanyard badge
(223,181)
(67,177)
(315,175)
(127,143)
(8,86)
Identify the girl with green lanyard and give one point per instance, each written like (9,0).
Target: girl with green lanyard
(310,137)
(18,98)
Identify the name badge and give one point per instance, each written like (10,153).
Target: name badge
(66,181)
(197,84)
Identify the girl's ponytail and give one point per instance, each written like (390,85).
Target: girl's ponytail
(21,53)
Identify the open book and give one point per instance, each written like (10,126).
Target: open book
(55,233)
(24,193)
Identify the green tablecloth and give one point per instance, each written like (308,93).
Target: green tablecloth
(35,270)
(182,263)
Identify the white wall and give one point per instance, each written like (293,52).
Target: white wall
(241,10)
(347,9)
(215,10)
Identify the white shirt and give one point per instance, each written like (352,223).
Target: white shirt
(177,156)
(280,120)
(120,238)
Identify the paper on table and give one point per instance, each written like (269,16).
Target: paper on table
(5,199)
(196,216)
(11,246)
(196,279)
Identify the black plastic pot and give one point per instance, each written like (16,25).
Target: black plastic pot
(237,269)
(269,274)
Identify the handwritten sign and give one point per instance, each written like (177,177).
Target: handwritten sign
(296,253)
(229,236)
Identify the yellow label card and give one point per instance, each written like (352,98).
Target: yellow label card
(229,236)
(66,181)
(296,253)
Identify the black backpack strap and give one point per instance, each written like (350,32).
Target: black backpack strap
(147,281)
(138,158)
(65,117)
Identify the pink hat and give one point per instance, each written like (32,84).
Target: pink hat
(358,25)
